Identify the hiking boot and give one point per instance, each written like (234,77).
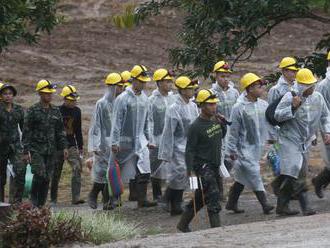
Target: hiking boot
(92,196)
(233,197)
(132,186)
(261,196)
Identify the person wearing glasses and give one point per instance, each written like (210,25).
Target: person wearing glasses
(129,138)
(247,136)
(172,146)
(72,124)
(43,135)
(160,99)
(11,121)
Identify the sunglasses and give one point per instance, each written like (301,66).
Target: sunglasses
(169,73)
(72,94)
(143,73)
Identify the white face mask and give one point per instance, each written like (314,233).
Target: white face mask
(327,75)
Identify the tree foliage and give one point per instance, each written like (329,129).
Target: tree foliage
(25,19)
(231,29)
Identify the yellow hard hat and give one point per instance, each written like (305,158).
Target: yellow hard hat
(8,86)
(222,66)
(248,79)
(206,96)
(140,72)
(162,74)
(288,63)
(184,82)
(69,92)
(45,86)
(127,84)
(126,76)
(328,57)
(305,76)
(113,79)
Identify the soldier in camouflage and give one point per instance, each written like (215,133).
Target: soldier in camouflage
(43,135)
(11,119)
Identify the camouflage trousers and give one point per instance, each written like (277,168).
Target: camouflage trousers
(208,190)
(76,166)
(18,182)
(42,166)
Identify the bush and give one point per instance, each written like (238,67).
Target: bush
(34,227)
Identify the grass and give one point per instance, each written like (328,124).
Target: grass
(102,227)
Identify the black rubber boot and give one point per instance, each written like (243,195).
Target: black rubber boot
(233,197)
(142,196)
(261,196)
(221,191)
(156,189)
(214,219)
(92,196)
(282,207)
(165,203)
(132,186)
(303,201)
(108,203)
(43,192)
(2,193)
(320,182)
(176,202)
(185,220)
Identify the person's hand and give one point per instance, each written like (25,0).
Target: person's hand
(233,156)
(89,163)
(296,101)
(26,158)
(115,149)
(151,146)
(326,139)
(81,153)
(65,154)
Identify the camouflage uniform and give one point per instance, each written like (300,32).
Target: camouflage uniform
(11,149)
(43,135)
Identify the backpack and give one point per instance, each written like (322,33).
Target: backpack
(270,112)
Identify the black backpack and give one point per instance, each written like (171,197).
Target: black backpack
(270,112)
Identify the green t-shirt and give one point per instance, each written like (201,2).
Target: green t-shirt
(204,144)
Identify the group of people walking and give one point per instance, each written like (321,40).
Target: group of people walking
(168,137)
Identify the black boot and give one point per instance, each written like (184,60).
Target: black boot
(156,189)
(142,196)
(320,182)
(132,190)
(165,203)
(222,196)
(303,201)
(282,207)
(108,203)
(35,191)
(186,218)
(2,193)
(234,194)
(92,196)
(176,201)
(261,196)
(214,219)
(43,192)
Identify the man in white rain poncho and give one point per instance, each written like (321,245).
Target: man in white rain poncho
(246,139)
(172,145)
(129,134)
(288,66)
(227,95)
(301,114)
(159,101)
(99,140)
(323,179)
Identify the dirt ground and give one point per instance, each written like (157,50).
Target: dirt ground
(86,47)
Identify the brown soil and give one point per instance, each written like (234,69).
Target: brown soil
(86,47)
